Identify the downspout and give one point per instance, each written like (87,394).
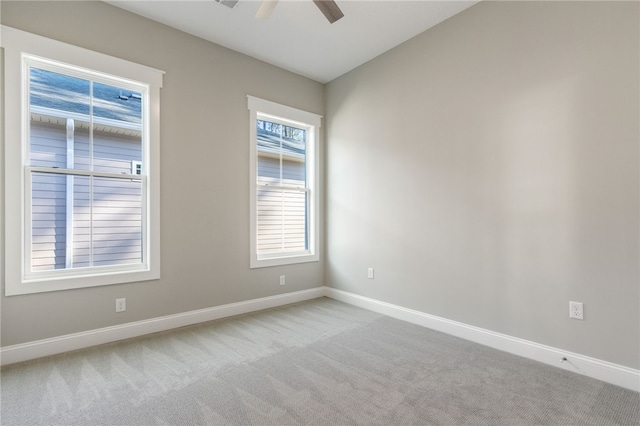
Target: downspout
(69,216)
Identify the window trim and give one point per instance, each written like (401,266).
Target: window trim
(292,116)
(17,46)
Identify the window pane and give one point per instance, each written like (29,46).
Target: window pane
(107,231)
(58,91)
(268,170)
(81,146)
(117,221)
(116,103)
(282,221)
(81,222)
(295,221)
(53,99)
(116,150)
(60,108)
(269,223)
(281,154)
(293,156)
(294,172)
(48,221)
(117,139)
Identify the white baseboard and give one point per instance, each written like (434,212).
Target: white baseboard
(70,342)
(591,367)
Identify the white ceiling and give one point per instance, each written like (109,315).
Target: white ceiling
(297,36)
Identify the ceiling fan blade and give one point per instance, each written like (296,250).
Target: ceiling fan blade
(228,3)
(330,10)
(265,9)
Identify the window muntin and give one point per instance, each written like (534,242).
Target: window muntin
(284,192)
(70,146)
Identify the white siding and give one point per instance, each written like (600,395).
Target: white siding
(49,222)
(114,235)
(117,222)
(48,210)
(282,214)
(48,146)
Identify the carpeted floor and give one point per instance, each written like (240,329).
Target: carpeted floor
(320,362)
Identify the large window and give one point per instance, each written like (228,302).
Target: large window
(81,166)
(284,196)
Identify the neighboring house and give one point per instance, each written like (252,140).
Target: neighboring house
(65,223)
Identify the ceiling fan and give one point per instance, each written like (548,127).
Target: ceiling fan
(329,8)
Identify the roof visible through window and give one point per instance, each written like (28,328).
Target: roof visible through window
(66,93)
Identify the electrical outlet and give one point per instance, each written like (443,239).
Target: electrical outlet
(121,305)
(282,279)
(576,310)
(370,273)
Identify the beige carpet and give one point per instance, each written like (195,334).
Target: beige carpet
(320,362)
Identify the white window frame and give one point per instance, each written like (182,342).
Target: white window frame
(293,117)
(19,48)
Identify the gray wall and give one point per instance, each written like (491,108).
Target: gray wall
(205,172)
(488,170)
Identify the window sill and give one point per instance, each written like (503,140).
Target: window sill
(266,262)
(42,285)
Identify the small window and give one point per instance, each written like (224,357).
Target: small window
(80,202)
(136,167)
(284,195)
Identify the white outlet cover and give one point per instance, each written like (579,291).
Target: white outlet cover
(121,305)
(576,310)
